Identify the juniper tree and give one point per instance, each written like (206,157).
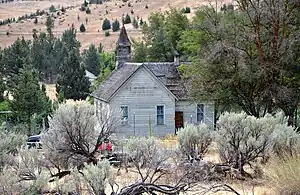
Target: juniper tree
(135,23)
(82,28)
(127,19)
(14,58)
(91,60)
(106,24)
(29,98)
(116,25)
(72,81)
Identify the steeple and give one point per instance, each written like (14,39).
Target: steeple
(123,48)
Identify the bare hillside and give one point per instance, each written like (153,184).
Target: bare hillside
(94,34)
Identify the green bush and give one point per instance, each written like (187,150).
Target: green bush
(52,8)
(82,28)
(135,23)
(116,25)
(187,10)
(127,19)
(88,11)
(106,24)
(107,33)
(85,3)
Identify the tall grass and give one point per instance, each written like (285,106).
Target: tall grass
(284,175)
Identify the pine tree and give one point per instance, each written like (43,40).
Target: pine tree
(88,11)
(72,82)
(49,25)
(106,24)
(82,28)
(135,23)
(116,25)
(29,98)
(141,22)
(127,19)
(91,60)
(13,60)
(100,48)
(85,3)
(69,39)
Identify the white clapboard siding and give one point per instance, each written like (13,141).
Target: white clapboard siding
(189,110)
(142,93)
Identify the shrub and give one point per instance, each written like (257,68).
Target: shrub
(63,9)
(88,11)
(242,139)
(85,3)
(106,24)
(194,140)
(135,23)
(52,8)
(186,10)
(116,25)
(287,141)
(35,21)
(98,176)
(141,22)
(107,33)
(146,6)
(283,174)
(127,19)
(82,8)
(82,28)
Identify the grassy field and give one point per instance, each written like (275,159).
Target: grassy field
(94,33)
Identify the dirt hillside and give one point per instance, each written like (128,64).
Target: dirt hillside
(94,34)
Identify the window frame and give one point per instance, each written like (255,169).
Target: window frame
(163,115)
(124,122)
(203,111)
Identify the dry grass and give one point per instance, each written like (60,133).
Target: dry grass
(284,175)
(95,19)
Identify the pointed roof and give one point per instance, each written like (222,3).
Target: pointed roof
(166,73)
(123,38)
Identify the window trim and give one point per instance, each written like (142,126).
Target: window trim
(122,121)
(203,112)
(164,114)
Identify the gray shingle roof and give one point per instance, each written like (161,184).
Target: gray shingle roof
(123,38)
(166,72)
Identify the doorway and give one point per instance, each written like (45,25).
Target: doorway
(178,121)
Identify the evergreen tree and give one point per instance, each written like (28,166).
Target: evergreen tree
(106,24)
(88,11)
(82,28)
(14,58)
(116,25)
(85,3)
(141,22)
(35,21)
(100,48)
(127,19)
(135,23)
(49,25)
(69,40)
(72,81)
(91,60)
(46,56)
(29,98)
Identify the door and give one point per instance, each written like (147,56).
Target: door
(178,121)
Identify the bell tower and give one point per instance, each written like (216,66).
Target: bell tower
(123,48)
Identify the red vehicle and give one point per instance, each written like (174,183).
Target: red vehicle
(105,146)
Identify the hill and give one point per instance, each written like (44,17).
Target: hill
(111,10)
